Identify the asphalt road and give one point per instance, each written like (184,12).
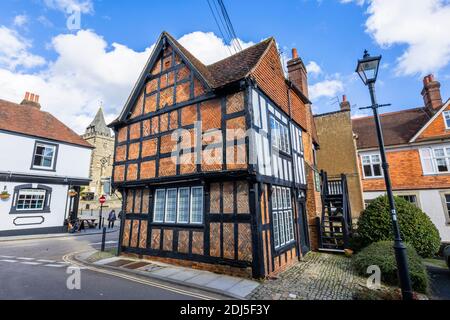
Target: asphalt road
(439,283)
(34,269)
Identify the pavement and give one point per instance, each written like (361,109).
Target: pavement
(37,269)
(86,232)
(439,282)
(232,287)
(319,276)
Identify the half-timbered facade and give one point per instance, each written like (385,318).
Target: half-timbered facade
(215,162)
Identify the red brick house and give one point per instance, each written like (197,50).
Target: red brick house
(418,152)
(242,203)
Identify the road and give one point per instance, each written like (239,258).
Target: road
(34,269)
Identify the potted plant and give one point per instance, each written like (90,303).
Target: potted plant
(73,193)
(4,195)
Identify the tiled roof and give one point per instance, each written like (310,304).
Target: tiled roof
(228,70)
(29,120)
(398,127)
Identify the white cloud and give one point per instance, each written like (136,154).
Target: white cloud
(20,20)
(313,68)
(84,6)
(208,47)
(326,89)
(86,72)
(358,2)
(14,51)
(422,25)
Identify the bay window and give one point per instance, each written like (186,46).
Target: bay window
(282,216)
(179,205)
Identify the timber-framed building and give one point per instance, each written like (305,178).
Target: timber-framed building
(244,203)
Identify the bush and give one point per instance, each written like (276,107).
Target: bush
(381,254)
(415,226)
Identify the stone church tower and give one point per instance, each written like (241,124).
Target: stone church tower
(99,135)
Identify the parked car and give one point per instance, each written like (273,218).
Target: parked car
(447,255)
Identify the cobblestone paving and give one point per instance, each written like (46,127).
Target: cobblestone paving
(318,277)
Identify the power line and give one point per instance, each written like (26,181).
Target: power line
(225,25)
(218,25)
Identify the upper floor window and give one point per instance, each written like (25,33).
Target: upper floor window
(372,166)
(280,135)
(179,205)
(44,156)
(435,160)
(446,115)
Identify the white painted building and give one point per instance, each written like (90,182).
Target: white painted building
(41,159)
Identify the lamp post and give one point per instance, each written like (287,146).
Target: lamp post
(368,71)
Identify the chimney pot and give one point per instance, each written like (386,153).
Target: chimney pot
(345,104)
(31,100)
(36,98)
(27,96)
(344,98)
(294,53)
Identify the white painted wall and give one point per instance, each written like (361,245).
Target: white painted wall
(431,204)
(55,218)
(17,154)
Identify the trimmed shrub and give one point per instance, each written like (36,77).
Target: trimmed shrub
(382,254)
(415,226)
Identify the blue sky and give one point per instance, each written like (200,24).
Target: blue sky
(73,70)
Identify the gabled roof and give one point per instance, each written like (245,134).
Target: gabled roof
(437,114)
(98,125)
(217,75)
(398,127)
(31,121)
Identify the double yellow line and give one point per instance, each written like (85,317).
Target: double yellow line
(68,259)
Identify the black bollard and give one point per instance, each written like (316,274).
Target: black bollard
(103,239)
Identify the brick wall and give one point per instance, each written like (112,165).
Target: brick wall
(406,174)
(436,129)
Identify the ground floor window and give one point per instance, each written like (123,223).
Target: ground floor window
(410,198)
(282,216)
(446,201)
(27,199)
(179,205)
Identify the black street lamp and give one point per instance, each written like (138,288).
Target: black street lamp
(368,71)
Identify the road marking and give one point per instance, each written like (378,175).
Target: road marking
(31,263)
(138,280)
(10,261)
(107,242)
(46,261)
(55,265)
(7,257)
(26,259)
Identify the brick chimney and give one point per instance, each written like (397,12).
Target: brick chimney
(31,100)
(432,93)
(297,73)
(345,104)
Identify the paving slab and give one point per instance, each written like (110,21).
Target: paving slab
(223,283)
(203,279)
(103,261)
(166,272)
(243,288)
(185,275)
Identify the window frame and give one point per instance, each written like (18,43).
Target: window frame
(55,147)
(165,191)
(372,163)
(283,220)
(279,132)
(444,195)
(432,159)
(446,114)
(47,200)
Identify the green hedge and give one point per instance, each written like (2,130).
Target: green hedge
(381,254)
(416,228)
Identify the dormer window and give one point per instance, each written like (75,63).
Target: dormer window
(446,115)
(44,157)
